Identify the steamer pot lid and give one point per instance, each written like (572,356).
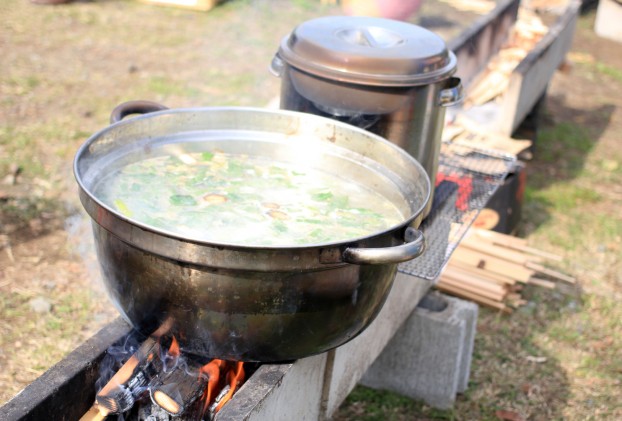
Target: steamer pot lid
(368,51)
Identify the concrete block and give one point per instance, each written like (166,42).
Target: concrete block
(280,392)
(346,364)
(429,358)
(608,17)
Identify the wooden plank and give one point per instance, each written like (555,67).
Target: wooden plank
(474,281)
(458,285)
(514,243)
(542,283)
(497,237)
(474,297)
(495,251)
(481,273)
(493,264)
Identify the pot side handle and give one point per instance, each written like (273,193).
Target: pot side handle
(452,93)
(414,247)
(134,107)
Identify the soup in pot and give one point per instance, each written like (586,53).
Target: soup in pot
(247,200)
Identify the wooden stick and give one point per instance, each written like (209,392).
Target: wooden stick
(541,283)
(493,264)
(498,238)
(552,273)
(495,251)
(93,414)
(474,297)
(481,273)
(474,281)
(470,288)
(176,390)
(511,242)
(534,252)
(117,395)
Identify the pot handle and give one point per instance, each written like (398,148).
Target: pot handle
(277,66)
(414,247)
(452,93)
(134,107)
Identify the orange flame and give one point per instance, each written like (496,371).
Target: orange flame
(174,350)
(212,370)
(235,377)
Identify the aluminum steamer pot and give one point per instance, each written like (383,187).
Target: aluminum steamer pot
(244,302)
(389,77)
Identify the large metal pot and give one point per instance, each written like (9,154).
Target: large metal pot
(389,77)
(242,302)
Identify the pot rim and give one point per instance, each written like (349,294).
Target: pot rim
(102,212)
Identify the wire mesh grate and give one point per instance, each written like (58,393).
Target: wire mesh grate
(466,180)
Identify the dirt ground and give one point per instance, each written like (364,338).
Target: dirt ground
(65,67)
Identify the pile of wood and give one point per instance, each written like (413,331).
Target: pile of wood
(494,81)
(464,131)
(492,268)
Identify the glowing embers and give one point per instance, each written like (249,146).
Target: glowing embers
(155,381)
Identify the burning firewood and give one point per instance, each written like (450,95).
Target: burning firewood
(176,390)
(93,414)
(131,380)
(176,385)
(119,394)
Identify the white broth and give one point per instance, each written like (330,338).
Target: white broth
(238,199)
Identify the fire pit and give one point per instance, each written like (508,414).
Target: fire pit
(313,386)
(153,379)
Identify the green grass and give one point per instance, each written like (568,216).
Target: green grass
(563,197)
(565,145)
(366,404)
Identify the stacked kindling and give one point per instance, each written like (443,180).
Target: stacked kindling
(491,269)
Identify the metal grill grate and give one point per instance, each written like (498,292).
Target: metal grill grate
(466,180)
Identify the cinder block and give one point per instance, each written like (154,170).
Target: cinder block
(429,358)
(608,17)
